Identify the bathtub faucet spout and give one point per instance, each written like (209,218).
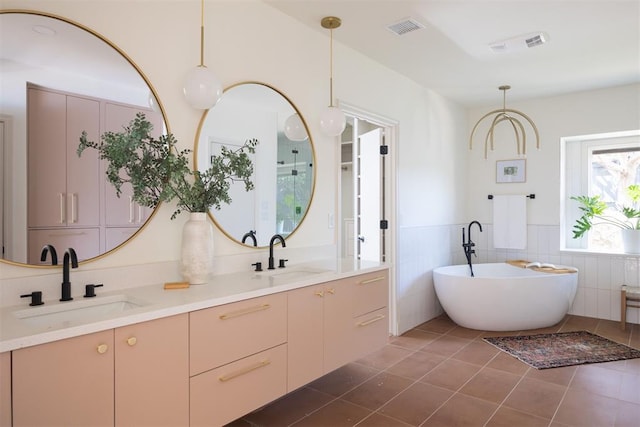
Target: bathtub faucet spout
(468,245)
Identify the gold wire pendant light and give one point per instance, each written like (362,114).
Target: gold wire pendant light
(509,115)
(332,119)
(202,89)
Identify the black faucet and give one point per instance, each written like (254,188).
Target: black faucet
(49,249)
(468,244)
(250,235)
(69,255)
(271,242)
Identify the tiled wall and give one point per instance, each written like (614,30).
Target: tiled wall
(422,249)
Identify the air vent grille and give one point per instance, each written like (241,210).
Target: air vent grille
(536,40)
(405,26)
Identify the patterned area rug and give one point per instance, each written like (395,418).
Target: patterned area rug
(544,351)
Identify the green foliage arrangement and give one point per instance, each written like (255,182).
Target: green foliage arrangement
(594,212)
(158,172)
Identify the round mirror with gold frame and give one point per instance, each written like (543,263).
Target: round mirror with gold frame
(59,78)
(284,162)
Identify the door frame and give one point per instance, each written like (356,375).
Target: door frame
(391,128)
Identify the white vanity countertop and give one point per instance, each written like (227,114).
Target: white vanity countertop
(156,302)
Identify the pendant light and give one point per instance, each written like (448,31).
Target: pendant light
(294,128)
(509,115)
(202,89)
(332,119)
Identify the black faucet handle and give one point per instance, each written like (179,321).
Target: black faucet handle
(281,263)
(36,298)
(90,290)
(258,266)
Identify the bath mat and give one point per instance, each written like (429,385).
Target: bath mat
(544,351)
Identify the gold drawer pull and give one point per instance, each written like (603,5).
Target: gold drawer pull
(132,341)
(331,291)
(245,370)
(244,311)
(102,348)
(375,279)
(370,321)
(319,293)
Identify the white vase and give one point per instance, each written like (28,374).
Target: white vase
(197,249)
(631,241)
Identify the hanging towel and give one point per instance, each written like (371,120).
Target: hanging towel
(510,222)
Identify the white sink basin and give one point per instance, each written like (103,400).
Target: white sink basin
(77,311)
(294,273)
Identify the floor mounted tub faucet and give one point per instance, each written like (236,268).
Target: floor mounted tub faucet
(468,245)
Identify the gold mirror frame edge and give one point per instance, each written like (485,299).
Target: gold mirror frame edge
(313,152)
(155,95)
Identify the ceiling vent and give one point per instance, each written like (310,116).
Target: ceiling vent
(405,26)
(515,44)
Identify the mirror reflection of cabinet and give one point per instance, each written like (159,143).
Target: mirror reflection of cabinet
(70,204)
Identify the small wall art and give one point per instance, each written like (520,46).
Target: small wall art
(510,171)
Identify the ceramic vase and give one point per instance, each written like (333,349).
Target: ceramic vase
(631,241)
(197,249)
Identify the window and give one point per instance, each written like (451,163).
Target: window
(604,165)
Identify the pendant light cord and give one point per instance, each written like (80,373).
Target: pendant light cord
(202,33)
(331,67)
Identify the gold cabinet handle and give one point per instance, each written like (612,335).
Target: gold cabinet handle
(370,321)
(374,279)
(102,348)
(132,341)
(331,291)
(244,311)
(319,293)
(245,370)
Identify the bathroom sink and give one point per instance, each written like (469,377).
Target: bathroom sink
(77,311)
(294,273)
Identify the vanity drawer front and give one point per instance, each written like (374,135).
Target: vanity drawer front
(370,292)
(226,393)
(370,332)
(220,335)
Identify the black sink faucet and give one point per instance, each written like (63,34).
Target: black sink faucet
(49,249)
(271,242)
(69,257)
(468,244)
(251,234)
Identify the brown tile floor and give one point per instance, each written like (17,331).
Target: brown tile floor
(440,374)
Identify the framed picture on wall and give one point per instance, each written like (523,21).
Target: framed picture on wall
(508,171)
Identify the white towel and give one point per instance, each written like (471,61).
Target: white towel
(510,222)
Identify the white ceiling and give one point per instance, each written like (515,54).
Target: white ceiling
(590,44)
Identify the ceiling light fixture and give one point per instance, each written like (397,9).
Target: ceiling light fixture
(509,115)
(332,119)
(202,89)
(294,128)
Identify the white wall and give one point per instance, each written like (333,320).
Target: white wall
(248,40)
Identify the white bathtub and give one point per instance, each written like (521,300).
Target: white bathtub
(502,297)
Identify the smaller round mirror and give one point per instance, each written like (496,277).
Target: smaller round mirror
(283,163)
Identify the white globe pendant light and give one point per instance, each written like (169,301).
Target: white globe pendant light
(294,128)
(332,119)
(201,88)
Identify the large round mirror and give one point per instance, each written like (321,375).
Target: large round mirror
(57,79)
(284,162)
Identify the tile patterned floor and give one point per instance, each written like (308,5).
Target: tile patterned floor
(440,374)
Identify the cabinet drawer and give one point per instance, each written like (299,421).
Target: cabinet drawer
(370,332)
(226,393)
(370,292)
(220,335)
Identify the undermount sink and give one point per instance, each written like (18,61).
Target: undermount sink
(294,273)
(80,310)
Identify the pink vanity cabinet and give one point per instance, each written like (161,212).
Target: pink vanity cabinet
(334,323)
(134,375)
(5,389)
(63,197)
(238,358)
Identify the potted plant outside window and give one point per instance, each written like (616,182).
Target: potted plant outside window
(158,172)
(595,211)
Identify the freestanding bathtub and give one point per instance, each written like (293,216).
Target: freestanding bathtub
(503,297)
